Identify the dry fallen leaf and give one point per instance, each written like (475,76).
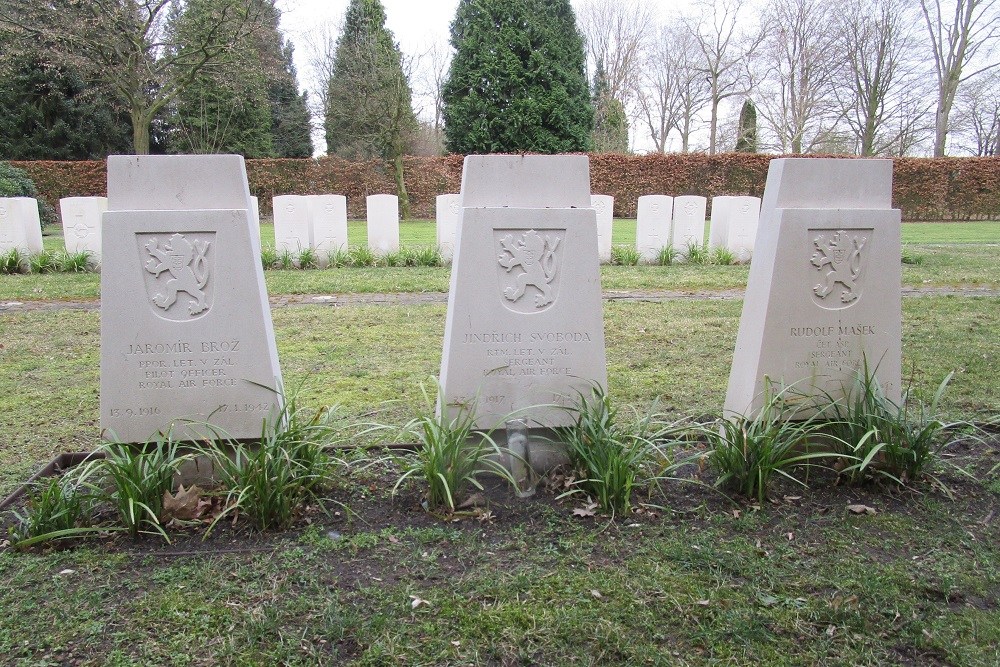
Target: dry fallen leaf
(183,505)
(393,539)
(703,603)
(861,509)
(596,593)
(475,500)
(417,601)
(589,510)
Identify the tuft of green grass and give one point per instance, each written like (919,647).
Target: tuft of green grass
(74,262)
(452,453)
(696,253)
(308,259)
(58,508)
(625,255)
(910,257)
(668,256)
(286,259)
(612,457)
(269,257)
(338,258)
(748,452)
(13,261)
(897,442)
(269,482)
(723,256)
(43,262)
(362,256)
(140,475)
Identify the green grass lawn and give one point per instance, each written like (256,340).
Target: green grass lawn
(698,581)
(949,254)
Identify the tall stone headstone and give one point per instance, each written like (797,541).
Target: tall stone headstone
(718,225)
(689,222)
(605,207)
(383,223)
(744,217)
(293,228)
(448,212)
(524,330)
(824,289)
(652,225)
(81,223)
(20,226)
(187,343)
(255,220)
(329,223)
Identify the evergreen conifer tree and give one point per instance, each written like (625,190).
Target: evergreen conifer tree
(369,112)
(746,141)
(517,80)
(610,121)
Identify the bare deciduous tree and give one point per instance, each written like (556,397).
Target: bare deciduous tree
(880,77)
(726,50)
(615,32)
(126,45)
(672,90)
(799,56)
(957,38)
(978,114)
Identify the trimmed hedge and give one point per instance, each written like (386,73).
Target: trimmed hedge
(924,188)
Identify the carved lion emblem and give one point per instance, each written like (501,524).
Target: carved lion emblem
(536,256)
(187,266)
(839,257)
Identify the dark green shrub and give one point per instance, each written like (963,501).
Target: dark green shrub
(15,182)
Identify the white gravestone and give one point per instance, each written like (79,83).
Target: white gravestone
(255,220)
(20,226)
(524,327)
(718,226)
(81,223)
(329,224)
(447,214)
(293,228)
(743,218)
(652,225)
(186,333)
(605,207)
(383,223)
(689,222)
(824,287)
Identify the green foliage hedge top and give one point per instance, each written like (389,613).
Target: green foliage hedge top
(15,182)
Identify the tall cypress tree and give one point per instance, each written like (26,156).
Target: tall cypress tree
(746,141)
(290,123)
(518,80)
(610,121)
(369,112)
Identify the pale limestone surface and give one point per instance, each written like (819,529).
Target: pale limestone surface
(824,287)
(689,222)
(383,223)
(177,182)
(186,337)
(293,227)
(718,225)
(329,224)
(255,220)
(448,211)
(743,219)
(524,330)
(81,223)
(605,207)
(20,226)
(652,225)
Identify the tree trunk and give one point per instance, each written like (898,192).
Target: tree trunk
(713,124)
(404,198)
(140,132)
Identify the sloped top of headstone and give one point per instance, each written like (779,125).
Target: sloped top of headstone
(177,182)
(526,181)
(828,183)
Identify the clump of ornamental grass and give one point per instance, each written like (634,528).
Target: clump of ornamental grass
(625,255)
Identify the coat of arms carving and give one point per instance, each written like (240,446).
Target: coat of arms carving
(839,257)
(531,265)
(179,265)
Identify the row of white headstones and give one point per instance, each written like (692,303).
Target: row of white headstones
(319,222)
(187,342)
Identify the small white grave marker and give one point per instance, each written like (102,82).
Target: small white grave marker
(689,222)
(448,213)
(293,229)
(81,222)
(743,218)
(652,225)
(383,223)
(605,207)
(718,226)
(20,226)
(329,224)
